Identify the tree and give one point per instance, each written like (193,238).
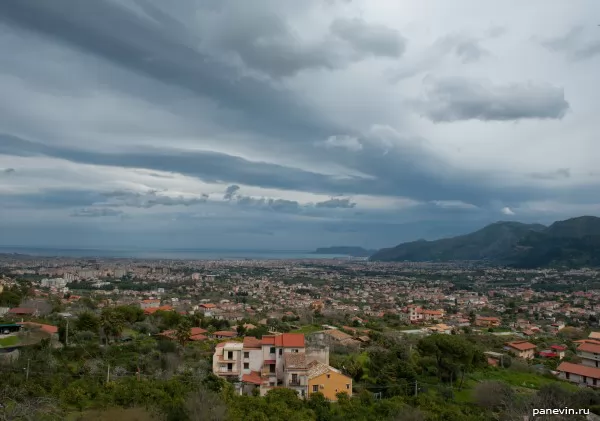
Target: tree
(452,354)
(183,332)
(87,321)
(493,395)
(205,405)
(112,323)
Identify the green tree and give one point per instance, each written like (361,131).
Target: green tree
(183,331)
(87,321)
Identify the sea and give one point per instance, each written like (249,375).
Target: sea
(170,254)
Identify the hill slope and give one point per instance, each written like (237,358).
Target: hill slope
(574,242)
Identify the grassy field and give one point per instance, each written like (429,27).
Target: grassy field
(9,341)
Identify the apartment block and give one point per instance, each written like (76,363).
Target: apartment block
(273,361)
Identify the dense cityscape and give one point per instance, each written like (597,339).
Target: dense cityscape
(321,327)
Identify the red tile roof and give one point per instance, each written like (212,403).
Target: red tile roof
(253,377)
(251,342)
(290,340)
(21,310)
(589,347)
(521,345)
(46,328)
(580,370)
(198,338)
(225,333)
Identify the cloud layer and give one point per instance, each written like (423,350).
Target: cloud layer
(292,124)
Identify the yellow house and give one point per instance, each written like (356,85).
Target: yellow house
(325,379)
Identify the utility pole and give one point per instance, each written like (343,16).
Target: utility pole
(108,374)
(416,388)
(27,372)
(67,334)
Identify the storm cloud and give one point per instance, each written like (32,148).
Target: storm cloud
(455,99)
(278,123)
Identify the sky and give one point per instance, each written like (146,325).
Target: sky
(290,124)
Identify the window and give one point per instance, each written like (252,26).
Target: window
(280,351)
(229,367)
(271,368)
(315,388)
(595,382)
(246,355)
(272,350)
(230,355)
(246,366)
(329,376)
(295,351)
(567,375)
(347,385)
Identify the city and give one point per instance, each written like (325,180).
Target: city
(310,326)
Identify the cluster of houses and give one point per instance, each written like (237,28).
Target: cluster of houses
(282,360)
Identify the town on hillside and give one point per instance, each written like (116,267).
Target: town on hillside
(327,329)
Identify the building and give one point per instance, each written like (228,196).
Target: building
(273,361)
(482,321)
(579,374)
(589,353)
(555,351)
(521,349)
(328,381)
(144,304)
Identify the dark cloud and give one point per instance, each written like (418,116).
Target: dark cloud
(162,51)
(368,38)
(336,202)
(8,171)
(552,175)
(149,199)
(398,166)
(455,99)
(230,192)
(575,44)
(96,212)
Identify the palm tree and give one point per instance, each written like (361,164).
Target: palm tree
(183,332)
(112,323)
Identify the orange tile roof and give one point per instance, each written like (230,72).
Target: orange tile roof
(253,377)
(226,333)
(251,342)
(589,347)
(580,370)
(290,340)
(521,345)
(46,328)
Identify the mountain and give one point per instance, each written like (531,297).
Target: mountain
(573,243)
(345,250)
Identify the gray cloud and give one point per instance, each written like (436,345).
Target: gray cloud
(8,171)
(454,99)
(231,191)
(167,56)
(552,175)
(149,199)
(95,212)
(368,38)
(467,48)
(336,202)
(575,44)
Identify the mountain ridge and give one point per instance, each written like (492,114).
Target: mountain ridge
(573,242)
